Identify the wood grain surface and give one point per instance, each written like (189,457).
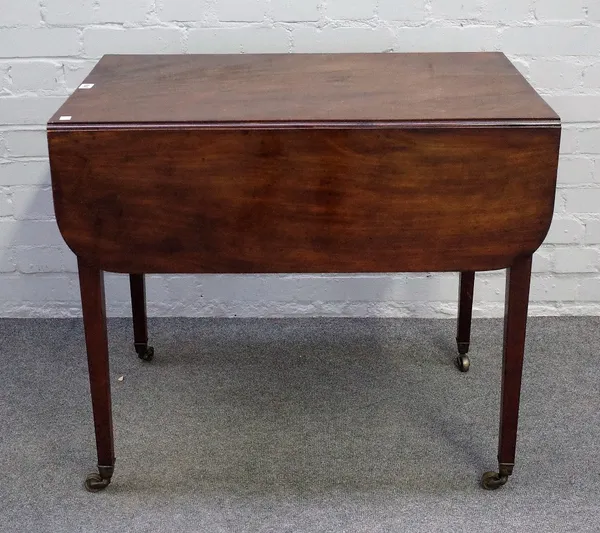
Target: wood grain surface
(357,200)
(303,89)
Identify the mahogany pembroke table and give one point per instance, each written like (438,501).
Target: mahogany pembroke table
(324,163)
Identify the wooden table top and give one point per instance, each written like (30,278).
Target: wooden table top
(291,90)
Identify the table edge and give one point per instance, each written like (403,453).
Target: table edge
(299,125)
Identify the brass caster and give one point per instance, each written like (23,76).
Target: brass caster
(463,363)
(95,483)
(493,480)
(145,353)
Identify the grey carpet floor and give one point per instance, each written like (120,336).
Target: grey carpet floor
(299,425)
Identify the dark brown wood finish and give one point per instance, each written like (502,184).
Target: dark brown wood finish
(304,163)
(138,309)
(465,311)
(303,88)
(91,281)
(515,323)
(304,200)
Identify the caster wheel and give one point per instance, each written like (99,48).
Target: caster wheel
(493,480)
(145,353)
(463,363)
(94,483)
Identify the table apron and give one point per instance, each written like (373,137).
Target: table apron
(304,201)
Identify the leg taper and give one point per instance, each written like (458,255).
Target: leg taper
(465,313)
(515,323)
(140,321)
(91,283)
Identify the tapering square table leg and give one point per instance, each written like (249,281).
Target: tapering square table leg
(140,321)
(91,283)
(465,313)
(515,323)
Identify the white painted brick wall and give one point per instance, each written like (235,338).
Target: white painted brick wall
(20,13)
(507,11)
(246,11)
(181,10)
(98,41)
(61,12)
(293,11)
(392,10)
(345,10)
(238,40)
(47,47)
(455,9)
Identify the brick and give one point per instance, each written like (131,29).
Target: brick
(30,233)
(589,290)
(26,143)
(247,11)
(543,260)
(342,9)
(406,11)
(39,288)
(313,288)
(5,81)
(72,12)
(407,288)
(575,171)
(75,73)
(561,11)
(551,40)
(157,289)
(238,40)
(591,76)
(294,11)
(32,203)
(569,140)
(188,291)
(565,231)
(592,231)
(576,108)
(489,287)
(31,260)
(28,110)
(582,200)
(129,11)
(100,41)
(506,11)
(453,39)
(94,11)
(33,76)
(554,75)
(588,140)
(455,9)
(117,287)
(25,173)
(19,13)
(183,10)
(6,207)
(39,42)
(7,262)
(548,289)
(69,260)
(342,40)
(575,260)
